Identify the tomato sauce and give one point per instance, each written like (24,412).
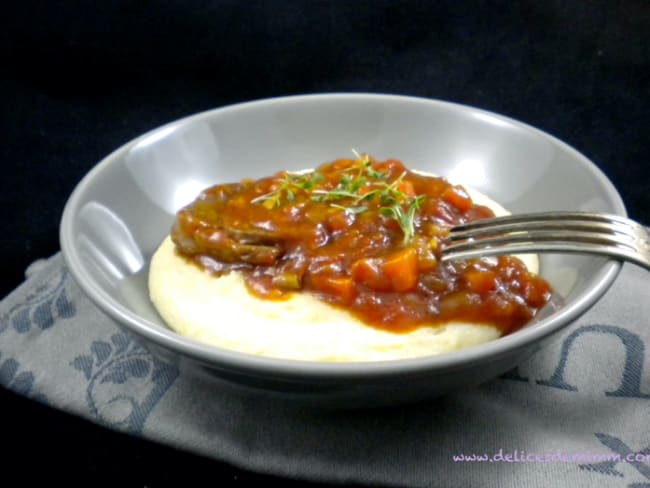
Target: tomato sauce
(361,234)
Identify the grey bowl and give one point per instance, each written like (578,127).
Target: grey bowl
(122,209)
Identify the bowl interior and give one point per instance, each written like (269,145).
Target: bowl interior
(124,207)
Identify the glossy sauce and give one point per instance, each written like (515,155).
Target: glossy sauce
(360,234)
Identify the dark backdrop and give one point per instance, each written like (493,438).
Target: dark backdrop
(81,78)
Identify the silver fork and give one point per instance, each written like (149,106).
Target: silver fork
(557,232)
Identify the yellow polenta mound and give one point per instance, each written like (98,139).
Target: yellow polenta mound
(221,312)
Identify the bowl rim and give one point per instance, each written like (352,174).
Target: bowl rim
(296,369)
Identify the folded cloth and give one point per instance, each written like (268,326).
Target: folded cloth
(575,413)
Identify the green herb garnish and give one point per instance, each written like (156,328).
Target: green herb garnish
(405,219)
(289,183)
(356,188)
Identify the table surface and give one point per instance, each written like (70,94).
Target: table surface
(80,79)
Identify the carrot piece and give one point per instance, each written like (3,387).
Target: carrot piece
(458,197)
(339,220)
(367,271)
(406,187)
(339,286)
(481,281)
(401,268)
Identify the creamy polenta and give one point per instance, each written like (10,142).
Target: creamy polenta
(220,311)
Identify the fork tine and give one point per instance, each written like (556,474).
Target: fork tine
(555,216)
(573,232)
(462,251)
(544,236)
(496,226)
(575,221)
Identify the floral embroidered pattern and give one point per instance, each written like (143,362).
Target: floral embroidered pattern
(21,382)
(125,381)
(41,307)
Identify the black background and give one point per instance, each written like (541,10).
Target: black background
(80,79)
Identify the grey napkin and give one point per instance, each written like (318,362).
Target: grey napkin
(575,414)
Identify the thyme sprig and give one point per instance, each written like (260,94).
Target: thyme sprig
(356,188)
(350,185)
(405,219)
(368,184)
(288,185)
